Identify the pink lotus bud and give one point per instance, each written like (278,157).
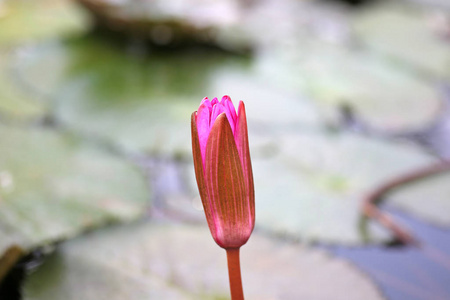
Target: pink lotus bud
(223,170)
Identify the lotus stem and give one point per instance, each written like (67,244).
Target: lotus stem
(234,273)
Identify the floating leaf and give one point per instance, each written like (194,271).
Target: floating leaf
(150,261)
(334,75)
(24,21)
(173,23)
(54,186)
(405,34)
(318,181)
(15,103)
(429,199)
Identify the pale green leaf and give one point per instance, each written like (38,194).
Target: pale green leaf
(54,186)
(150,261)
(428,199)
(334,75)
(25,21)
(408,35)
(16,103)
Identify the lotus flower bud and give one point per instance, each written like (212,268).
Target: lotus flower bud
(223,170)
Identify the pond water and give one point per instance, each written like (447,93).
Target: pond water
(408,272)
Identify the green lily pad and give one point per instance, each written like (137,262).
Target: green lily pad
(312,185)
(334,75)
(406,34)
(54,186)
(438,4)
(171,23)
(15,104)
(144,104)
(150,261)
(315,187)
(427,199)
(24,21)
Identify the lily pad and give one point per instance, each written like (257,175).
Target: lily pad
(144,104)
(318,181)
(173,23)
(428,199)
(25,21)
(405,34)
(439,4)
(54,186)
(334,75)
(150,261)
(15,104)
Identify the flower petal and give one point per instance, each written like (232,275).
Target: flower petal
(200,170)
(226,186)
(214,101)
(207,103)
(230,111)
(216,111)
(241,138)
(203,122)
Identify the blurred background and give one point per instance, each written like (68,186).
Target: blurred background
(349,127)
